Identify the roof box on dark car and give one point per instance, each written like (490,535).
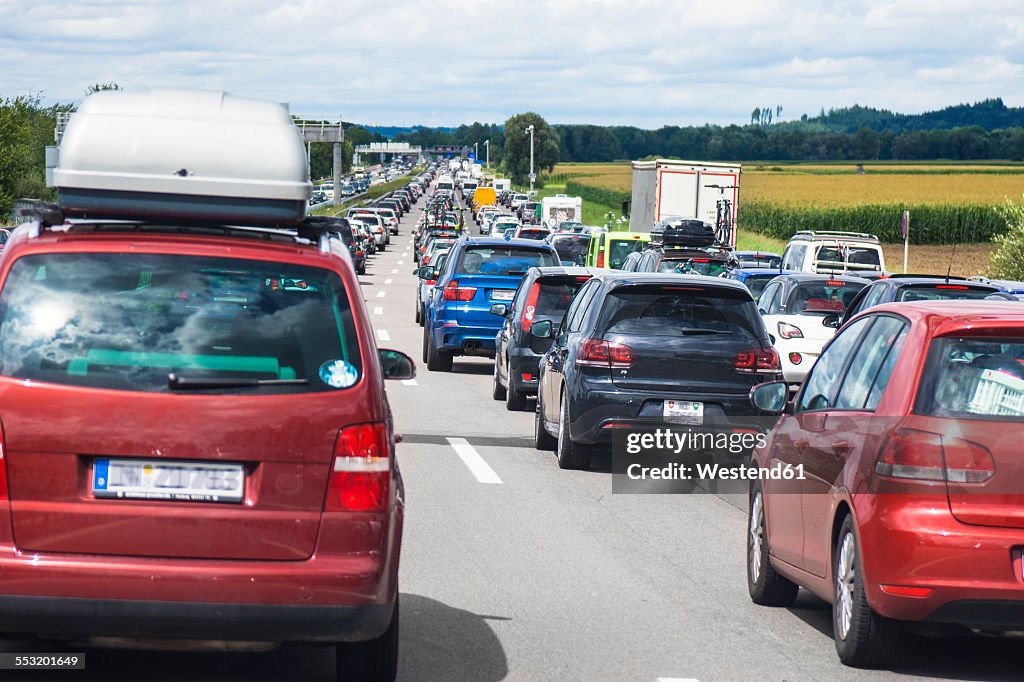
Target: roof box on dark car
(201,156)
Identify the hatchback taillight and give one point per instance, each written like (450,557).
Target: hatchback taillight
(790,331)
(924,456)
(757,361)
(453,292)
(531,307)
(361,472)
(601,353)
(3,467)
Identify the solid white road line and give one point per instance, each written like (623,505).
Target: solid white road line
(473,461)
(378,311)
(388,281)
(380,294)
(382,335)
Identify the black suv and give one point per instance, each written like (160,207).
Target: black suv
(634,350)
(711,261)
(544,294)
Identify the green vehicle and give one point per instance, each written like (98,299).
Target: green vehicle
(609,249)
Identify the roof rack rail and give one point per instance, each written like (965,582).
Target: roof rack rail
(834,233)
(46,213)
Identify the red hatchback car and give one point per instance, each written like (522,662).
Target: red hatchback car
(196,441)
(907,433)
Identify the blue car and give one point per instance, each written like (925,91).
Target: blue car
(478,273)
(755,279)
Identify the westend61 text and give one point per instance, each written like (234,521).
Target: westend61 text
(716,472)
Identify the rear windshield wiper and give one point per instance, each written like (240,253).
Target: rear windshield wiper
(695,332)
(179,383)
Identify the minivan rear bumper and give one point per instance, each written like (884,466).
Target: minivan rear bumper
(140,619)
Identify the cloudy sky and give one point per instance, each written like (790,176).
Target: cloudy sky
(441,62)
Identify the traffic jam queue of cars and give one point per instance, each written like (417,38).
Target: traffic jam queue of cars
(899,398)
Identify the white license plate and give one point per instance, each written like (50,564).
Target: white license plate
(148,479)
(503,294)
(683,412)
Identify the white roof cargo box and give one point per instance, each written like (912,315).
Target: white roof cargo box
(183,155)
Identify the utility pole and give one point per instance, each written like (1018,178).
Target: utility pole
(476,152)
(532,175)
(487,149)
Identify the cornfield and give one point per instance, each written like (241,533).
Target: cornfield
(947,203)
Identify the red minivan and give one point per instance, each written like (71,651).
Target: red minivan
(907,502)
(196,441)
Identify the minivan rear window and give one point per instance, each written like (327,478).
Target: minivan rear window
(680,310)
(502,260)
(974,377)
(128,321)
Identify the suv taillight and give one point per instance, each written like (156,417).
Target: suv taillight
(757,361)
(601,353)
(453,292)
(361,472)
(924,456)
(531,307)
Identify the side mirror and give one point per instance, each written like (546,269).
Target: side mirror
(425,272)
(833,321)
(396,364)
(771,337)
(770,397)
(416,271)
(499,309)
(541,329)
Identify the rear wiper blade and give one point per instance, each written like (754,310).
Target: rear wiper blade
(695,332)
(180,383)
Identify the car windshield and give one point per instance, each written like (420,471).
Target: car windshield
(970,377)
(572,250)
(941,292)
(694,266)
(823,297)
(619,250)
(127,321)
(679,310)
(502,260)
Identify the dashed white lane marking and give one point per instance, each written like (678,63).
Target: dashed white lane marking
(378,311)
(382,335)
(388,281)
(473,461)
(409,382)
(401,262)
(677,679)
(380,294)
(395,271)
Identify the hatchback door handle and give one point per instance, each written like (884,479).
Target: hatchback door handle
(840,447)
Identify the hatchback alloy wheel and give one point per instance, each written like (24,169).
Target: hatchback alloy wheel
(845,573)
(765,585)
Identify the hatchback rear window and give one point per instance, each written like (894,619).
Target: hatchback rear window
(556,294)
(942,292)
(128,321)
(974,377)
(502,260)
(694,266)
(680,310)
(571,250)
(831,296)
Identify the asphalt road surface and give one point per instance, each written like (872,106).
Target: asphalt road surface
(515,570)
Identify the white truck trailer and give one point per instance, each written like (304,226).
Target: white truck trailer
(686,189)
(559,209)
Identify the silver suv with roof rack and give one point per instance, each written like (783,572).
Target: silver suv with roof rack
(833,252)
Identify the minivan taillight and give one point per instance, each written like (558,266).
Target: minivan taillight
(531,306)
(924,456)
(601,353)
(757,361)
(453,292)
(361,471)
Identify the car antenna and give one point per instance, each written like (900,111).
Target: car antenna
(950,268)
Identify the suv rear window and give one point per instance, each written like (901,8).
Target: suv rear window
(698,266)
(974,377)
(502,260)
(853,254)
(556,294)
(680,310)
(127,321)
(942,292)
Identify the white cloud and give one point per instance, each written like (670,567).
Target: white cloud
(642,62)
